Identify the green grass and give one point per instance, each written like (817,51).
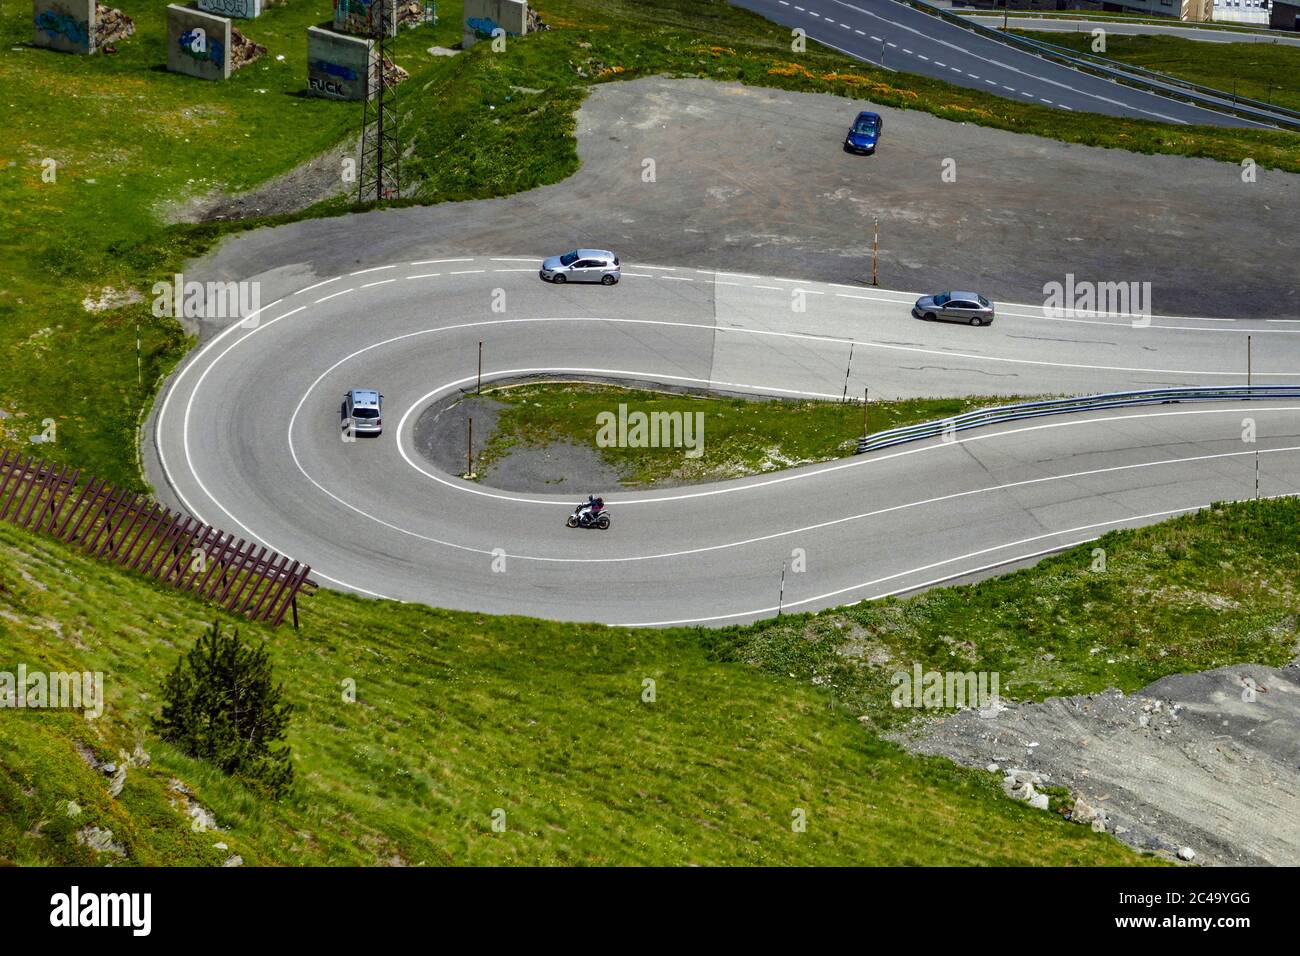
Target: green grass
(1262,71)
(1201,591)
(132,140)
(459,715)
(741,437)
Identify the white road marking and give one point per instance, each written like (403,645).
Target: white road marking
(434,262)
(426,275)
(361,272)
(234,327)
(328,297)
(316,286)
(370,285)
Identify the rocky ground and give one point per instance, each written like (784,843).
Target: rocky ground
(1202,767)
(111,24)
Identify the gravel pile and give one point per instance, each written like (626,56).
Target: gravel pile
(1201,766)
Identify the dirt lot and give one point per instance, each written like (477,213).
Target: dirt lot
(755,180)
(1206,761)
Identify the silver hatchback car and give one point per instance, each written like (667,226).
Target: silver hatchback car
(582,265)
(363,412)
(968,307)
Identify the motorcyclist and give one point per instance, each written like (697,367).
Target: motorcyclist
(594,504)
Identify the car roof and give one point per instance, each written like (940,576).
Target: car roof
(964,295)
(594,253)
(868,113)
(365,396)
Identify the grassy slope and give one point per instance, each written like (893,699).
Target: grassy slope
(131,137)
(740,437)
(1261,71)
(1195,593)
(458,715)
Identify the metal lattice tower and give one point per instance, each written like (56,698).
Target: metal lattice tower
(380,177)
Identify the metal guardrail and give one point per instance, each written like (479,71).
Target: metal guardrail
(1212,99)
(1060,406)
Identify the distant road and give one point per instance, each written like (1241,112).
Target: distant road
(1083,25)
(892,34)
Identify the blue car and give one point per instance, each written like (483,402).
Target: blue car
(864,134)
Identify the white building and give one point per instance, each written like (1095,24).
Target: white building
(1242,11)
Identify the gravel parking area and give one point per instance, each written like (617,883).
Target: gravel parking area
(755,180)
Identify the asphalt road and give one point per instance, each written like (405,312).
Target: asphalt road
(1018,213)
(250,440)
(892,34)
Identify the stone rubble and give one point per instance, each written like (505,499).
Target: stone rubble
(111,24)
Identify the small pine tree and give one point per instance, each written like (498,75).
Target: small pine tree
(220,705)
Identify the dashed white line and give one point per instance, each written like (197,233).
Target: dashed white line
(370,285)
(317,285)
(465,272)
(426,275)
(333,296)
(361,272)
(434,262)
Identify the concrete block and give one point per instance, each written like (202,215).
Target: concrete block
(65,25)
(198,43)
(484,16)
(243,9)
(339,67)
(357,16)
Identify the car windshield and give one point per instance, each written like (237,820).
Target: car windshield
(366,412)
(943,298)
(865,125)
(568,259)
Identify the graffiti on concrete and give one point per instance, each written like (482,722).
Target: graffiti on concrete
(57,22)
(196,44)
(247,9)
(483,27)
(334,69)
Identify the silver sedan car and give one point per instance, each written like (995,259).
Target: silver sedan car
(968,307)
(582,265)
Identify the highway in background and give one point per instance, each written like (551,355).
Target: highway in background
(895,35)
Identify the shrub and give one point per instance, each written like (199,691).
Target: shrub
(220,705)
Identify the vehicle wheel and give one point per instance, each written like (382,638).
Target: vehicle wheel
(573,521)
(976,320)
(607,280)
(929,316)
(603,522)
(558,278)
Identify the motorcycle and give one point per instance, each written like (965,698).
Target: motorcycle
(583,517)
